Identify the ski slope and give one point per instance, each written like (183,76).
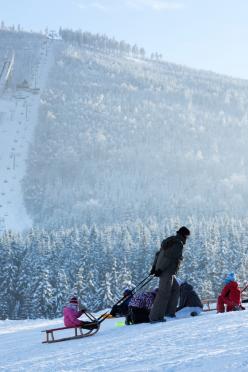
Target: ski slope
(209,342)
(18,118)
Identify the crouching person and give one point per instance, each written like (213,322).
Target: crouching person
(140,306)
(72,313)
(189,301)
(230,295)
(122,309)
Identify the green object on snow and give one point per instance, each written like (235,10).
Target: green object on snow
(120,324)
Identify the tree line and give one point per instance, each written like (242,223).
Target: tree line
(41,269)
(103,42)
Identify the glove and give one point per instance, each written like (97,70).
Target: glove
(152,272)
(83,309)
(158,272)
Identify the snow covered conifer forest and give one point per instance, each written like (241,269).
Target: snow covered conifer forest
(125,148)
(41,269)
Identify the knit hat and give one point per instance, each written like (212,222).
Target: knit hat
(183,231)
(230,278)
(155,291)
(127,292)
(74,300)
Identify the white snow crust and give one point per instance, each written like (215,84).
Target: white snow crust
(209,342)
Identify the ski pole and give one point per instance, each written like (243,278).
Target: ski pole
(244,288)
(138,287)
(90,316)
(142,281)
(133,291)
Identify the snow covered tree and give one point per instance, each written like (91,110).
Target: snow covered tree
(43,297)
(61,293)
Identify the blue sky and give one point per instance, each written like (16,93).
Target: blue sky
(210,34)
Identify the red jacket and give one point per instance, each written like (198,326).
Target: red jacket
(231,294)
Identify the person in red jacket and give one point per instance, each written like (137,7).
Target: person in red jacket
(230,295)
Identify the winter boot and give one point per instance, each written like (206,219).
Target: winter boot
(171,316)
(158,321)
(90,325)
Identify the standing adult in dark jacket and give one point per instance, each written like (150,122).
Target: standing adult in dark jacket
(165,266)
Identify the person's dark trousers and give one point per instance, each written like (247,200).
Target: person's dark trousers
(166,299)
(137,315)
(173,300)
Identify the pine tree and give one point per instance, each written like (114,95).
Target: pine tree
(43,299)
(108,298)
(61,293)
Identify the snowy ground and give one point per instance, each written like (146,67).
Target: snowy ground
(18,118)
(209,342)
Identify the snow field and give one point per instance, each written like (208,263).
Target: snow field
(209,342)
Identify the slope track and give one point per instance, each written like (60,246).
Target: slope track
(18,118)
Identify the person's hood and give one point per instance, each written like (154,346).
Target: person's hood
(186,287)
(181,237)
(230,278)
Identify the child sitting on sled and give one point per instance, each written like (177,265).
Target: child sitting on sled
(72,313)
(230,295)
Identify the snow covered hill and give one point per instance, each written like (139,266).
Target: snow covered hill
(210,342)
(121,138)
(118,136)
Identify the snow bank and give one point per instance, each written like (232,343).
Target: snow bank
(209,342)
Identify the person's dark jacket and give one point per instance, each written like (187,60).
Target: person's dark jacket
(168,259)
(122,309)
(188,297)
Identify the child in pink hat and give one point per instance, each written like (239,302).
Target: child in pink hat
(72,313)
